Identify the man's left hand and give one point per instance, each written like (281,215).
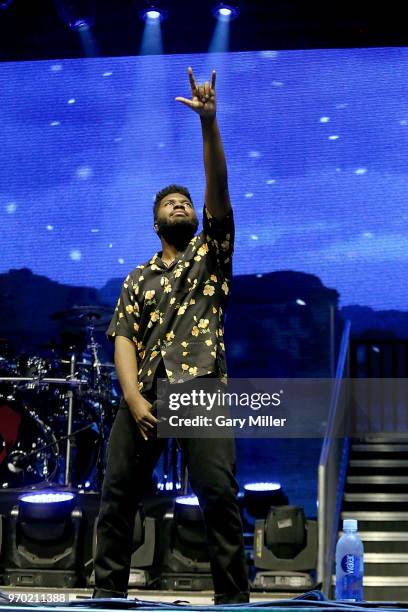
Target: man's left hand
(203,97)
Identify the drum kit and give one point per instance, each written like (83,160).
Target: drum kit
(56,412)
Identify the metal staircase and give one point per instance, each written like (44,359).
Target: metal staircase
(376,494)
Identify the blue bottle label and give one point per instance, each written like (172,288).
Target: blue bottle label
(350,564)
(349,586)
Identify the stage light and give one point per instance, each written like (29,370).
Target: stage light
(260,496)
(186,562)
(78,15)
(225,11)
(153,12)
(44,543)
(285,544)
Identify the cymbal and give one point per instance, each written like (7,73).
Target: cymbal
(84,315)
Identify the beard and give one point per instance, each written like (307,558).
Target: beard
(177,232)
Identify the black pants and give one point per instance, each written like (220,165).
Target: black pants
(211,465)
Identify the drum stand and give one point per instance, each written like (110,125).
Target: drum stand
(70,442)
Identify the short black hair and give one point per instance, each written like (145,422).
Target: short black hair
(165,191)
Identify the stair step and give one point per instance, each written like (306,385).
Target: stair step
(379,463)
(384,536)
(380,448)
(381,581)
(384,438)
(385,558)
(379,498)
(366,515)
(380,480)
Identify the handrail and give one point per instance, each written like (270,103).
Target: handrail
(331,456)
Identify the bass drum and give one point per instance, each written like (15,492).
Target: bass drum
(29,452)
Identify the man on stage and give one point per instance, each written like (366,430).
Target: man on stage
(169,323)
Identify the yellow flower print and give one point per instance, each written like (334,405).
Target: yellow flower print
(136,326)
(185,353)
(140,346)
(167,289)
(177,272)
(186,264)
(170,336)
(129,308)
(149,372)
(150,294)
(172,300)
(141,278)
(154,316)
(220,331)
(184,366)
(154,267)
(193,370)
(222,346)
(213,354)
(214,310)
(192,301)
(197,258)
(169,373)
(140,386)
(225,288)
(203,323)
(153,355)
(136,289)
(181,310)
(203,249)
(184,343)
(208,290)
(208,342)
(213,278)
(195,331)
(120,315)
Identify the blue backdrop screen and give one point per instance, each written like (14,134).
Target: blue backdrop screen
(316,143)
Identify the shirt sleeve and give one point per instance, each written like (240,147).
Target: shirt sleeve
(220,235)
(125,320)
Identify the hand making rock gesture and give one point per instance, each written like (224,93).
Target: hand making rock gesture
(203,96)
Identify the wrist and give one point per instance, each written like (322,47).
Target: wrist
(130,395)
(208,120)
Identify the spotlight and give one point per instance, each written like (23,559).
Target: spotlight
(225,11)
(260,496)
(186,563)
(285,544)
(4,4)
(78,15)
(153,12)
(44,544)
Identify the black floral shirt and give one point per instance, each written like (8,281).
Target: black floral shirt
(176,313)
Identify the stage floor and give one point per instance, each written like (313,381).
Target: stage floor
(21,595)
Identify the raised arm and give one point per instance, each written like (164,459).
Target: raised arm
(203,102)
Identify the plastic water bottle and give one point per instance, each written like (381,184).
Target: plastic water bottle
(349,564)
